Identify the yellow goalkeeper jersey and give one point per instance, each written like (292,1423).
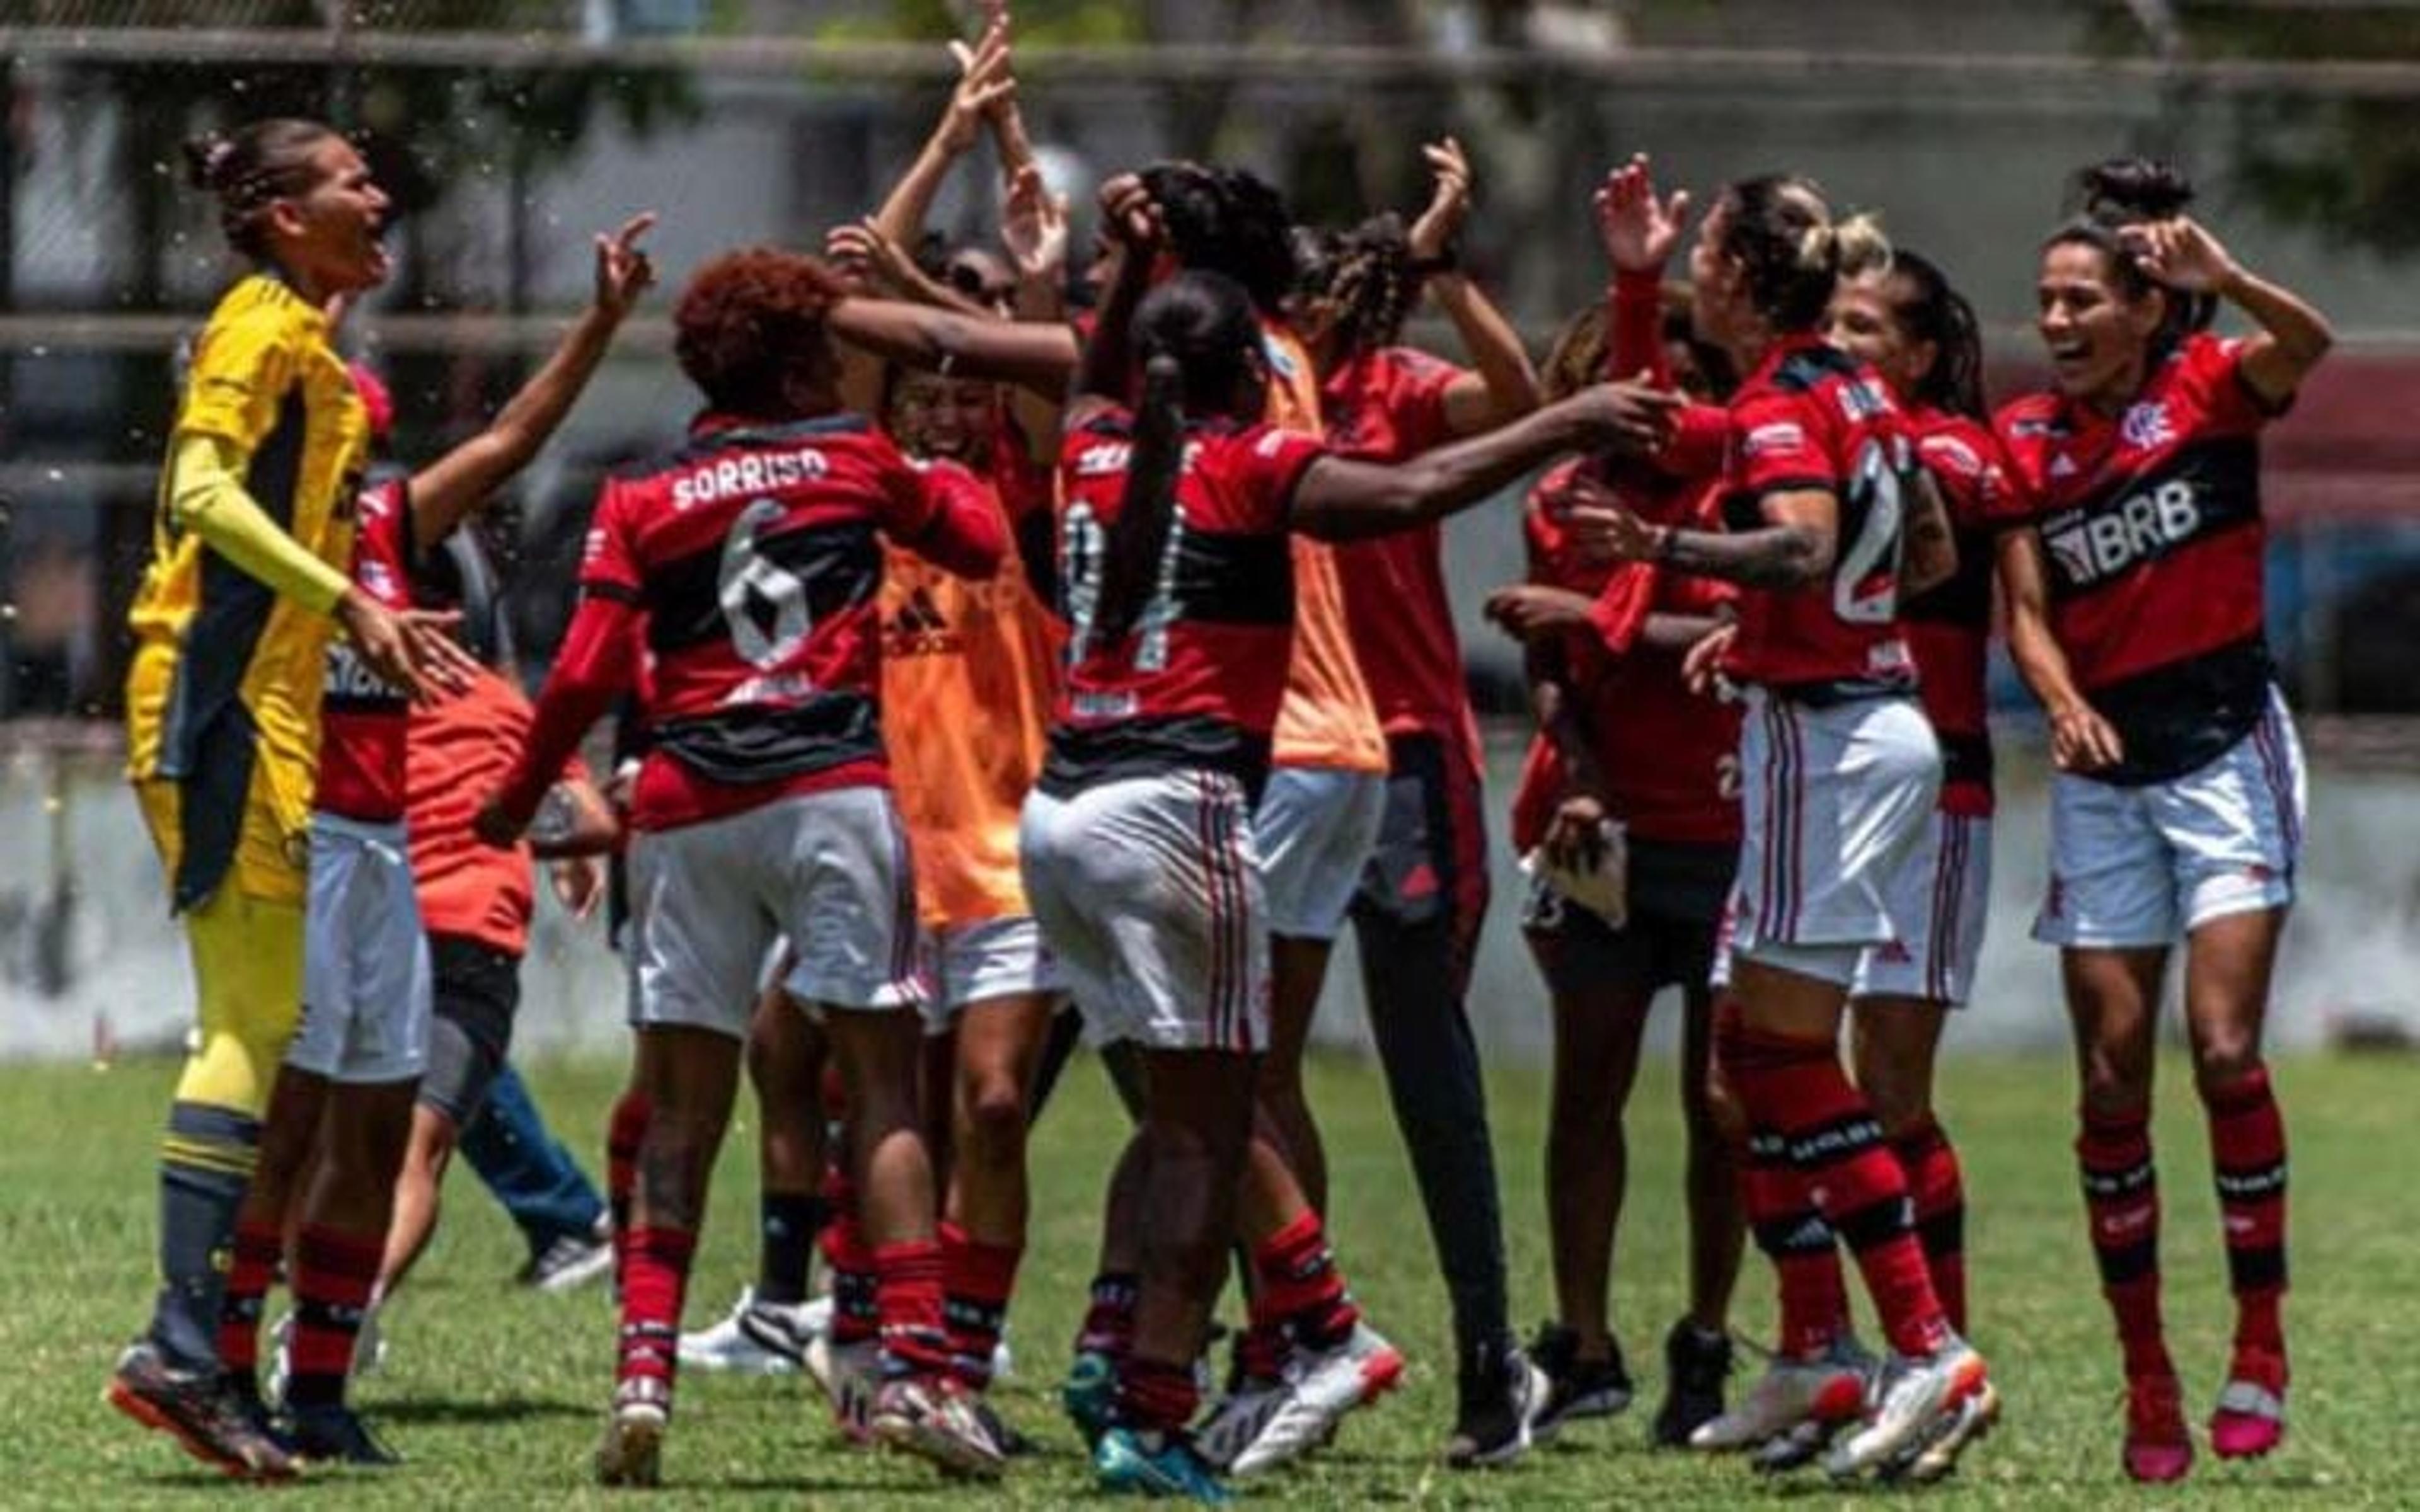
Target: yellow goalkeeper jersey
(223,696)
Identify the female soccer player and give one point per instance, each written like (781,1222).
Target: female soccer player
(1423,890)
(1624,737)
(1905,321)
(1839,771)
(2177,807)
(1137,854)
(749,560)
(343,1105)
(231,626)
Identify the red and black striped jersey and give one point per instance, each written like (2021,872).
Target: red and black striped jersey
(1197,679)
(1389,406)
(1949,626)
(753,555)
(2153,541)
(363,718)
(1812,417)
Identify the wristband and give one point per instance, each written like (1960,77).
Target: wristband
(1447,260)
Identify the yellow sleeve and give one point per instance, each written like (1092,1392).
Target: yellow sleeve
(242,369)
(206,497)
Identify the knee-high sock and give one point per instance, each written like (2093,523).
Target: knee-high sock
(1939,1190)
(206,1163)
(1834,1144)
(2122,1200)
(2247,1141)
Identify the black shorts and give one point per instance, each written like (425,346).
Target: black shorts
(476,990)
(1677,892)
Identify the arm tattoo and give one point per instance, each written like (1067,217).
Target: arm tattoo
(1778,556)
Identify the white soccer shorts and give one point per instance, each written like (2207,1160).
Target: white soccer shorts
(1837,802)
(1148,892)
(1315,828)
(1940,913)
(366,973)
(2128,865)
(981,960)
(827,871)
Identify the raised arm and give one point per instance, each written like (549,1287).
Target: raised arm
(465,478)
(1339,499)
(1504,384)
(1039,357)
(984,81)
(592,669)
(2293,335)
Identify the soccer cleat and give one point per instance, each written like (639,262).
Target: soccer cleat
(1012,1443)
(199,1411)
(1090,1395)
(570,1262)
(1581,1388)
(756,1338)
(850,1375)
(1320,1388)
(336,1435)
(1501,1394)
(1128,1463)
(1935,1456)
(1695,1365)
(2158,1449)
(632,1452)
(1911,1393)
(1241,1413)
(2251,1416)
(1825,1389)
(931,1418)
(1800,1446)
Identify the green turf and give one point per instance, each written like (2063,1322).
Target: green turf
(494,1394)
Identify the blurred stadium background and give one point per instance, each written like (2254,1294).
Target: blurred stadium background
(509,129)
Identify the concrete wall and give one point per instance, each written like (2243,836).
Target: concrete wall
(85,934)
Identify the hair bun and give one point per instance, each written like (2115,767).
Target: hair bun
(2133,189)
(206,160)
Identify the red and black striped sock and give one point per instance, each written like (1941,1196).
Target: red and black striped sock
(1795,1237)
(1297,1288)
(1834,1144)
(2122,1200)
(1155,1396)
(855,1315)
(251,1271)
(1109,1324)
(978,1279)
(907,1287)
(335,1275)
(655,1281)
(2247,1140)
(1939,1190)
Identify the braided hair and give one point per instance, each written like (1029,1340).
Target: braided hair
(1367,274)
(1228,221)
(251,168)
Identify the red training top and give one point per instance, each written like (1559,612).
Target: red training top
(1387,406)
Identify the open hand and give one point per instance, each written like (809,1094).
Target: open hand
(2181,254)
(1639,231)
(1034,227)
(1448,202)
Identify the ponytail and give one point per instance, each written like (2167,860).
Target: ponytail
(1929,309)
(1138,536)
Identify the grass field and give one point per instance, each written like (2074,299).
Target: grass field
(494,1393)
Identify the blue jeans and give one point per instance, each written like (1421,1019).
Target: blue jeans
(527,1168)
